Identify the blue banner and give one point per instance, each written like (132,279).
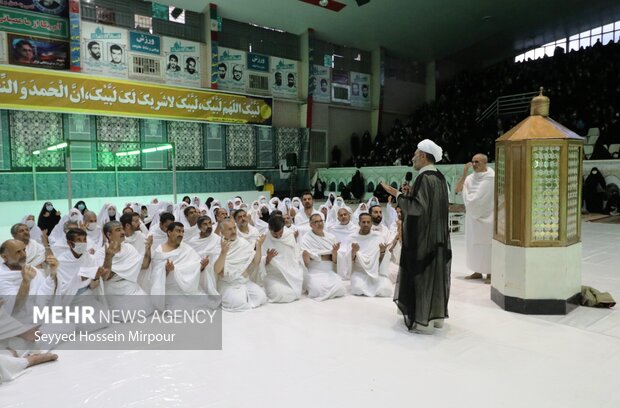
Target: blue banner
(258,62)
(145,43)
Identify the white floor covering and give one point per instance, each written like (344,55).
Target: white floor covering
(356,352)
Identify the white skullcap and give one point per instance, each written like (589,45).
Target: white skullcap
(430,147)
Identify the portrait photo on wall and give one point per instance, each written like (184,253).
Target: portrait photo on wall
(52,7)
(38,52)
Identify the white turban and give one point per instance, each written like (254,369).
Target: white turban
(428,146)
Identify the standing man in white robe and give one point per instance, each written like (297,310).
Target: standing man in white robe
(35,252)
(283,264)
(237,262)
(207,245)
(371,261)
(122,264)
(478,190)
(320,254)
(244,229)
(175,274)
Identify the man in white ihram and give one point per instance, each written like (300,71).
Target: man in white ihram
(175,273)
(35,252)
(122,265)
(478,190)
(282,263)
(207,245)
(320,253)
(371,261)
(236,264)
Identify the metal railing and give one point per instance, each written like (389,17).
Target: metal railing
(507,105)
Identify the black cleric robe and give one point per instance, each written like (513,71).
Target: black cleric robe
(423,285)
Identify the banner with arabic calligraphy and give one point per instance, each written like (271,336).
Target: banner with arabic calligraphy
(38,52)
(53,7)
(360,90)
(104,50)
(231,70)
(30,89)
(182,61)
(284,77)
(319,84)
(23,22)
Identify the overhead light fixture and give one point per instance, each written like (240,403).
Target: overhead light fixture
(166,147)
(149,150)
(36,152)
(58,146)
(323,3)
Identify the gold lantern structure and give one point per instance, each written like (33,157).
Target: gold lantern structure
(536,258)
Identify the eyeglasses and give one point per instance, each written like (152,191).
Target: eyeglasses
(317,222)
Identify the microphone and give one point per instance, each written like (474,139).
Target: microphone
(408,176)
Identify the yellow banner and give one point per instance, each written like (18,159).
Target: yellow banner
(38,89)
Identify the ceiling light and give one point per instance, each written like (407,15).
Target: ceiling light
(323,3)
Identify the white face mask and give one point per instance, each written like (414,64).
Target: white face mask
(80,247)
(74,217)
(49,207)
(30,223)
(111,213)
(91,226)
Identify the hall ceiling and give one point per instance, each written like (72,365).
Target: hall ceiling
(425,30)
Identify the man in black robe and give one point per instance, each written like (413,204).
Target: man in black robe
(423,285)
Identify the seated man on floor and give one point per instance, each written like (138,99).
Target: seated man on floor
(284,268)
(244,229)
(371,261)
(23,285)
(93,230)
(237,262)
(160,232)
(79,277)
(11,364)
(191,231)
(122,265)
(175,273)
(320,254)
(207,245)
(343,230)
(35,252)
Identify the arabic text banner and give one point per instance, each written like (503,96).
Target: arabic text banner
(35,89)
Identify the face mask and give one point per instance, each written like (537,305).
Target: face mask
(74,217)
(30,223)
(373,203)
(91,226)
(594,172)
(81,207)
(112,213)
(80,247)
(49,207)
